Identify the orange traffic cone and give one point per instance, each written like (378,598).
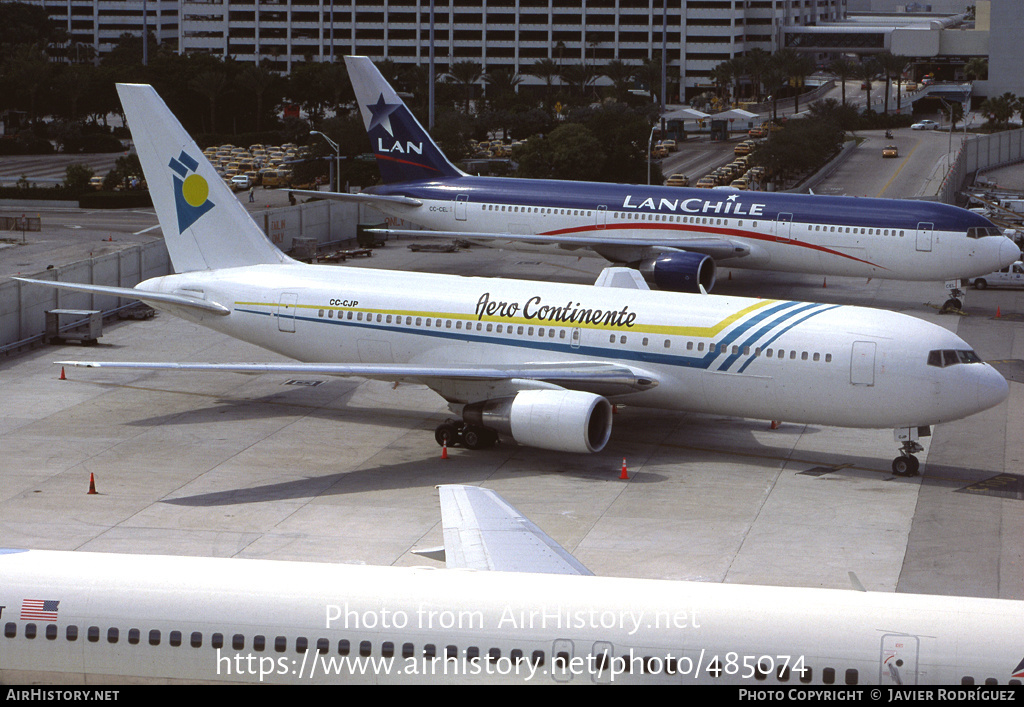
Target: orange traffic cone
(624,475)
(775,424)
(824,282)
(997,312)
(92,485)
(62,376)
(444,450)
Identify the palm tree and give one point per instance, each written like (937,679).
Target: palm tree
(757,63)
(466,73)
(866,72)
(722,75)
(256,80)
(843,70)
(891,65)
(211,84)
(621,74)
(502,86)
(976,69)
(579,78)
(547,71)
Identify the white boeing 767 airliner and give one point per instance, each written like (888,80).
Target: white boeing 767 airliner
(537,361)
(672,235)
(530,613)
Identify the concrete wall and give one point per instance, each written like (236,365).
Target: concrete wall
(23,306)
(981,152)
(326,221)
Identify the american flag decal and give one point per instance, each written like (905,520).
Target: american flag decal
(39,609)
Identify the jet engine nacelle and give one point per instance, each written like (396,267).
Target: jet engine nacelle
(679,271)
(561,420)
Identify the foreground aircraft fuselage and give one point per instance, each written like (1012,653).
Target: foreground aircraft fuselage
(77,617)
(538,362)
(672,235)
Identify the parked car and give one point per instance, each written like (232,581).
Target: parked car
(1011,276)
(678,180)
(890,151)
(240,182)
(925,125)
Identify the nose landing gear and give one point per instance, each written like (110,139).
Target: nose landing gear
(955,303)
(906,464)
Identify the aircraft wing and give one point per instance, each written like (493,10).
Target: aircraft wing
(370,199)
(483,532)
(717,248)
(599,378)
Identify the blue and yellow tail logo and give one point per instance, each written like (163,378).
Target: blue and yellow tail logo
(191,191)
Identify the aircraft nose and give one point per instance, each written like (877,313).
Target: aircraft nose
(992,388)
(1008,253)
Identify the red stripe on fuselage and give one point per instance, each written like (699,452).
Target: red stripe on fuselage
(414,164)
(753,235)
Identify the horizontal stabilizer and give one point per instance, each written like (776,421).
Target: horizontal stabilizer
(483,532)
(141,295)
(360,198)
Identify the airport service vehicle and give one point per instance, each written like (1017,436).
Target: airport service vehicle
(674,236)
(1012,276)
(512,606)
(538,362)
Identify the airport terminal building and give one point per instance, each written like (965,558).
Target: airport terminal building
(514,34)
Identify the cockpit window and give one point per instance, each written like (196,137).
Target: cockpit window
(950,357)
(982,231)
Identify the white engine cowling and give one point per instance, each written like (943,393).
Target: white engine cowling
(561,420)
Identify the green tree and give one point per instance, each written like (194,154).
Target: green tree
(77,176)
(568,152)
(976,69)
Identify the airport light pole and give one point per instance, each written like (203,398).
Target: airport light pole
(650,146)
(337,159)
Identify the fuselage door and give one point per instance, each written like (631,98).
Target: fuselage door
(461,206)
(574,340)
(924,236)
(602,216)
(601,663)
(286,312)
(784,226)
(562,660)
(898,660)
(862,363)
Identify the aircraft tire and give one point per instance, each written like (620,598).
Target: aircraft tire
(905,465)
(446,432)
(478,437)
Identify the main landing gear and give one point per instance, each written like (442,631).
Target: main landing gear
(455,433)
(955,303)
(906,464)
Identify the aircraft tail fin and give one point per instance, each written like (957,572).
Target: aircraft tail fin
(204,225)
(404,150)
